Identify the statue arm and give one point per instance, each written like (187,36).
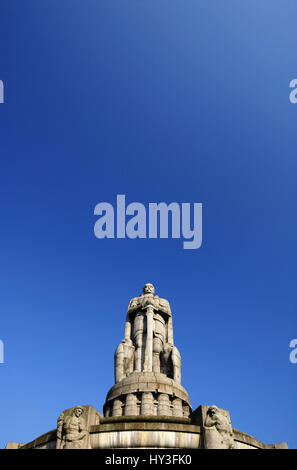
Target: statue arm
(59,433)
(82,430)
(163,305)
(209,422)
(170,332)
(60,426)
(133,305)
(59,436)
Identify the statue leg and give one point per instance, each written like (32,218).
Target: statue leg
(138,352)
(157,348)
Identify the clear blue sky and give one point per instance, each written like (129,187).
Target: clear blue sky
(161,100)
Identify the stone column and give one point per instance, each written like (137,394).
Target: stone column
(131,408)
(148,358)
(164,405)
(186,411)
(147,404)
(117,407)
(177,407)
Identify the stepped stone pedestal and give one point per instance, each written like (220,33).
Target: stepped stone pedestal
(147,394)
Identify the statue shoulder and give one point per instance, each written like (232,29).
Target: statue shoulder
(134,303)
(164,305)
(60,419)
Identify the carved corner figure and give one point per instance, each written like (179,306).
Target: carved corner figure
(218,431)
(72,430)
(148,342)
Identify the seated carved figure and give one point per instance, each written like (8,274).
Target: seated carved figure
(170,362)
(71,430)
(148,342)
(218,430)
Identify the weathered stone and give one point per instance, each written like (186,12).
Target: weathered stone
(156,387)
(177,409)
(13,445)
(72,427)
(146,407)
(218,430)
(164,405)
(216,426)
(117,407)
(131,405)
(147,364)
(148,342)
(147,404)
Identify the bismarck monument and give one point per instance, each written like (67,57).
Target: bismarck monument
(147,407)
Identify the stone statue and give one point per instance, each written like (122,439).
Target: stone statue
(148,342)
(218,429)
(71,430)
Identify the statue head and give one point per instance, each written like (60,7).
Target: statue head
(78,411)
(148,289)
(212,410)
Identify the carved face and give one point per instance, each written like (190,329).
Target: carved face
(148,289)
(78,412)
(212,411)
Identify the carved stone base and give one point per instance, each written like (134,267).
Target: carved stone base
(147,394)
(147,432)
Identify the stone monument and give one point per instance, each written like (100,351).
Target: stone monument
(147,364)
(147,407)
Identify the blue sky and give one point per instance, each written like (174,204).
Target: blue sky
(170,100)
